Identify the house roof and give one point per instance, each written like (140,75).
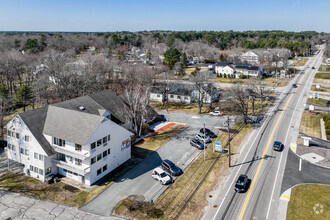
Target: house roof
(180,89)
(67,124)
(222,64)
(35,121)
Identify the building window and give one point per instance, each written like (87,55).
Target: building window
(26,152)
(93,145)
(13,147)
(105,168)
(13,134)
(109,151)
(105,153)
(93,160)
(109,137)
(22,151)
(78,147)
(179,97)
(35,156)
(99,142)
(185,98)
(61,157)
(99,157)
(17,135)
(9,133)
(48,170)
(36,169)
(31,167)
(59,141)
(105,139)
(26,138)
(8,145)
(171,96)
(41,172)
(99,171)
(41,157)
(78,162)
(158,95)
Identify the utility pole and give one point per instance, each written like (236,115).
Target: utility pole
(228,129)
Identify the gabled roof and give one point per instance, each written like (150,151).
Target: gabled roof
(111,102)
(71,125)
(222,64)
(35,121)
(180,89)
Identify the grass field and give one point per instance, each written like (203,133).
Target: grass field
(305,198)
(310,124)
(326,66)
(301,62)
(322,89)
(185,186)
(322,75)
(180,107)
(321,102)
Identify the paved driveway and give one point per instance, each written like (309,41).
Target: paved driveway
(138,180)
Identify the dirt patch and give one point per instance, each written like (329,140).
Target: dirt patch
(301,150)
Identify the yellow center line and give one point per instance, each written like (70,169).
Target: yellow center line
(263,156)
(288,197)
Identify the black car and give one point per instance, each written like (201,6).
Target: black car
(241,183)
(196,143)
(208,132)
(170,167)
(161,118)
(313,67)
(3,143)
(277,146)
(294,85)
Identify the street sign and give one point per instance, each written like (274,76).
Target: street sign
(217,147)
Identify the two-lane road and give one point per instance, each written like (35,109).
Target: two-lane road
(264,166)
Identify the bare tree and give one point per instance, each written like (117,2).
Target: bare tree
(136,109)
(239,100)
(200,80)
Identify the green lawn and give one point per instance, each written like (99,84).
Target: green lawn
(322,75)
(310,124)
(301,62)
(326,66)
(321,102)
(305,198)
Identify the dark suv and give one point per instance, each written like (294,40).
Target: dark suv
(241,183)
(278,146)
(170,167)
(208,132)
(3,143)
(196,143)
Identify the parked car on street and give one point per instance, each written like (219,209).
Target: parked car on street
(313,67)
(196,143)
(277,146)
(203,138)
(160,175)
(241,183)
(294,85)
(209,133)
(170,167)
(216,113)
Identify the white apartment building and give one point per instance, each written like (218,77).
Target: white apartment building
(79,138)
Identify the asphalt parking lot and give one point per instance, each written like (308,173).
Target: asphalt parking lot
(138,181)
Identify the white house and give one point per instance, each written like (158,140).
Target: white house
(220,69)
(250,57)
(184,93)
(80,138)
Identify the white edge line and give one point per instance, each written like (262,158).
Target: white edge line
(271,197)
(299,164)
(266,121)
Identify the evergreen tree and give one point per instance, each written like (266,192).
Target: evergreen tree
(24,96)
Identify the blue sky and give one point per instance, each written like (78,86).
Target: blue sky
(139,15)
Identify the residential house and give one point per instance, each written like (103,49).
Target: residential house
(83,138)
(237,69)
(184,93)
(250,56)
(224,68)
